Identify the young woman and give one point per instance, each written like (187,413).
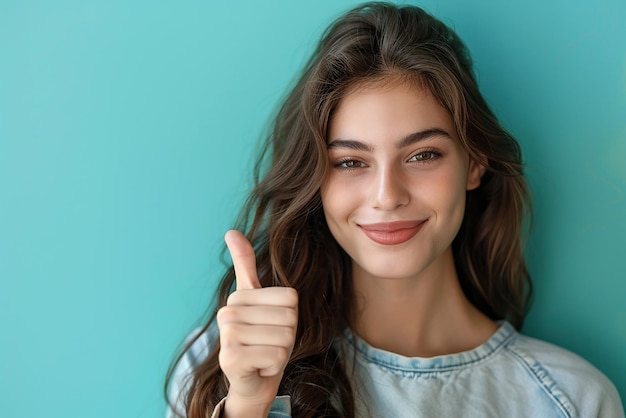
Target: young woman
(382,270)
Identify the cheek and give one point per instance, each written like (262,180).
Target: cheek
(337,198)
(445,192)
(330,202)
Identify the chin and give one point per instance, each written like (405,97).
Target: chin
(389,270)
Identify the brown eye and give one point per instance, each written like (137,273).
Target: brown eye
(349,164)
(424,156)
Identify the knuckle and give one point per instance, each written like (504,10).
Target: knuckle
(227,314)
(288,336)
(228,334)
(232,299)
(291,316)
(291,296)
(221,313)
(281,355)
(225,337)
(228,360)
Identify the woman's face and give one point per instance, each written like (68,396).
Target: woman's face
(395,196)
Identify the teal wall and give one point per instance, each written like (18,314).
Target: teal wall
(127,129)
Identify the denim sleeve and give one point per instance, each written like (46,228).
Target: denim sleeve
(182,377)
(281,408)
(611,404)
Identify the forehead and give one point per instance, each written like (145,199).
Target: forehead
(372,111)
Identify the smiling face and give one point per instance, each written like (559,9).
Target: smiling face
(395,196)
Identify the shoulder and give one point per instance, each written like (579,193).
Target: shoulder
(194,356)
(571,380)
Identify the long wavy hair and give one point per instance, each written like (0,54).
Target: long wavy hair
(284,220)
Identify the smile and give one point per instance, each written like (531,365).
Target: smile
(392,233)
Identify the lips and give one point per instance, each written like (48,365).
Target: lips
(392,233)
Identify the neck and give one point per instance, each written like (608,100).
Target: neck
(421,316)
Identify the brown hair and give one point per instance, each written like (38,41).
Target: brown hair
(283,216)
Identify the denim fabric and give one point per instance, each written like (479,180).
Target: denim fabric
(510,375)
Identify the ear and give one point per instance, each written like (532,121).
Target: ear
(474,175)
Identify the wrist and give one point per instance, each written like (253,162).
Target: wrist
(236,407)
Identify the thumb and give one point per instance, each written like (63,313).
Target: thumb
(244,260)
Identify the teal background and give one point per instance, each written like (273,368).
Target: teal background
(127,132)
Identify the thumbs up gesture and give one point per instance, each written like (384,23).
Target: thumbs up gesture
(257,333)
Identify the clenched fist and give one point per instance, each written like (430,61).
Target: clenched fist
(257,333)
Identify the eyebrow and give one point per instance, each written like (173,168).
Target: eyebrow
(404,142)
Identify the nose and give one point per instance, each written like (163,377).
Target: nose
(390,189)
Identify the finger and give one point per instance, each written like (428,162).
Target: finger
(268,296)
(244,260)
(261,315)
(264,360)
(234,334)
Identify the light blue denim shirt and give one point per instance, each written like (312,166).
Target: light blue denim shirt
(510,375)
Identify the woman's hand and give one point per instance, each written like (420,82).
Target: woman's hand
(257,333)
